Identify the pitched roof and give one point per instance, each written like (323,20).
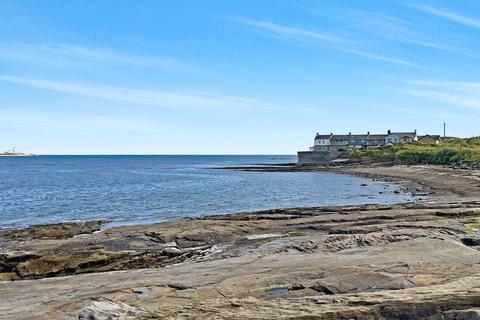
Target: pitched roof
(322,136)
(404,134)
(433,136)
(377,136)
(343,137)
(352,136)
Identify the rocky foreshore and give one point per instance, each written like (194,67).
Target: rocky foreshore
(407,261)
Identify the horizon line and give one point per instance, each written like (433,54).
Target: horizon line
(164,154)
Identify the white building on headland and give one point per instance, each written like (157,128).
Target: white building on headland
(327,147)
(337,143)
(13,153)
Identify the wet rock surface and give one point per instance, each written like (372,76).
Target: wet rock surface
(62,230)
(409,261)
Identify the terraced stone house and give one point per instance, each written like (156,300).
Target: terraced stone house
(327,147)
(334,142)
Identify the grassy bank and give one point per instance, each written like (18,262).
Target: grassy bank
(448,151)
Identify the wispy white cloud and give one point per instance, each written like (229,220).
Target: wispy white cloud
(454,99)
(74,55)
(164,99)
(460,94)
(383,27)
(316,38)
(452,85)
(455,49)
(424,113)
(58,121)
(377,22)
(449,15)
(383,58)
(292,33)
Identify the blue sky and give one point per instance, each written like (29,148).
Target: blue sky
(232,77)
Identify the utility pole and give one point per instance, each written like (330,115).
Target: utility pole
(444,131)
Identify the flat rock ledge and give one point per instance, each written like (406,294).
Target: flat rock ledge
(351,262)
(62,230)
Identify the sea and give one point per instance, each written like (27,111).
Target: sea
(127,190)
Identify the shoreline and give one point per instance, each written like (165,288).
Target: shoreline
(334,262)
(418,178)
(399,185)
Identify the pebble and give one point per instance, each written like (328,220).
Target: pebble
(235,304)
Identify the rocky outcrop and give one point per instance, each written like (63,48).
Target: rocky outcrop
(62,230)
(108,310)
(408,261)
(304,230)
(362,262)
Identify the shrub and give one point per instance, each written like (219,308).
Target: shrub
(448,151)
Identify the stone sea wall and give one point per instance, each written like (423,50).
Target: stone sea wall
(314,157)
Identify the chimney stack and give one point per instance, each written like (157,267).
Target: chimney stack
(388,132)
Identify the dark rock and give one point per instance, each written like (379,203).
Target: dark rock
(9,262)
(354,230)
(324,289)
(470,241)
(178,286)
(64,264)
(469,314)
(297,286)
(184,243)
(200,236)
(196,239)
(156,236)
(62,230)
(456,214)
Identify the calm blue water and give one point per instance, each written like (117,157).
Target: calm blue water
(146,189)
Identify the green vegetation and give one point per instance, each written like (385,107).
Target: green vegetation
(448,151)
(279,289)
(472,228)
(473,225)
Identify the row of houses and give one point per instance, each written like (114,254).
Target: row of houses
(335,143)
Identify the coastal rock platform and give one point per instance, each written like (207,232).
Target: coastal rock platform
(407,261)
